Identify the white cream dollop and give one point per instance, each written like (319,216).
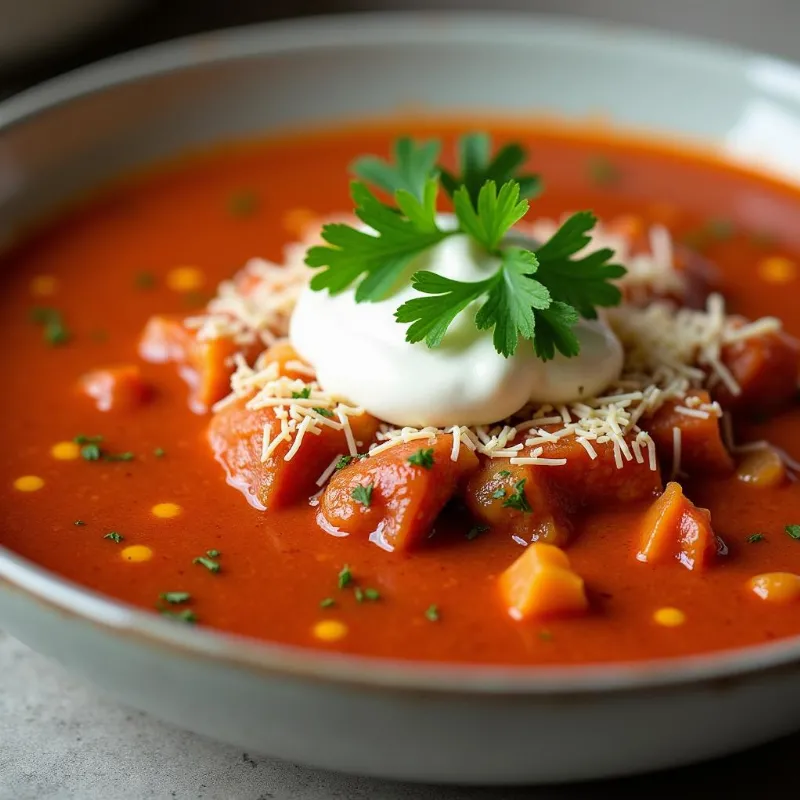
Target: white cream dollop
(359,351)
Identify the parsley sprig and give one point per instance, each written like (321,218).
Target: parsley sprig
(537,292)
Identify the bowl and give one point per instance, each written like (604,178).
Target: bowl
(385,718)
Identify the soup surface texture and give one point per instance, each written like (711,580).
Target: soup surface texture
(151,520)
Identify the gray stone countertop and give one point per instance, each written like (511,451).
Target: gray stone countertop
(60,739)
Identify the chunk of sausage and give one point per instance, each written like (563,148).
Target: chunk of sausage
(392,500)
(236,436)
(541,583)
(120,388)
(675,529)
(701,449)
(206,366)
(766,368)
(517,500)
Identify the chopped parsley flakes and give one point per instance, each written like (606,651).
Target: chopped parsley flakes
(328,602)
(517,500)
(363,494)
(432,613)
(115,537)
(793,531)
(209,563)
(755,537)
(303,394)
(345,577)
(184,615)
(475,531)
(175,598)
(422,458)
(54,331)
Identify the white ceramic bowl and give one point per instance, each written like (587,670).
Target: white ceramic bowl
(468,725)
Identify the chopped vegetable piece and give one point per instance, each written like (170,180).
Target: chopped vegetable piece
(372,594)
(432,613)
(90,452)
(54,331)
(755,537)
(118,388)
(327,602)
(793,531)
(115,537)
(476,530)
(184,615)
(159,452)
(675,529)
(541,583)
(405,499)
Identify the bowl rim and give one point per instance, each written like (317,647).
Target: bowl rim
(52,593)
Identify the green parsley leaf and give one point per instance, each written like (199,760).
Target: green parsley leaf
(213,553)
(345,577)
(54,331)
(376,261)
(504,473)
(477,167)
(184,615)
(90,452)
(159,452)
(343,462)
(363,494)
(476,530)
(554,331)
(115,537)
(372,594)
(432,613)
(323,412)
(79,523)
(303,394)
(518,500)
(497,494)
(175,598)
(755,537)
(422,458)
(793,531)
(582,283)
(414,164)
(208,563)
(358,593)
(327,602)
(495,213)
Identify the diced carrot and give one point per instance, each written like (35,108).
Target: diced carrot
(701,447)
(675,529)
(116,388)
(766,369)
(490,496)
(206,366)
(607,478)
(404,498)
(236,436)
(541,583)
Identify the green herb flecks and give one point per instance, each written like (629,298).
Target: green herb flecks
(755,537)
(517,500)
(432,613)
(303,394)
(363,494)
(475,531)
(498,493)
(422,458)
(327,602)
(175,598)
(115,537)
(209,563)
(323,412)
(159,452)
(79,523)
(243,203)
(793,531)
(185,615)
(54,331)
(345,577)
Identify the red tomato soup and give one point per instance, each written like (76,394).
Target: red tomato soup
(608,553)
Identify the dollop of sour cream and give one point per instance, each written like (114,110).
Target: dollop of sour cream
(359,351)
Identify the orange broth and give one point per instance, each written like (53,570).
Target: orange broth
(278,566)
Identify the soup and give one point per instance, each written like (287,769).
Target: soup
(166,446)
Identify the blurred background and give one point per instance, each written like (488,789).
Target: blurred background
(40,38)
